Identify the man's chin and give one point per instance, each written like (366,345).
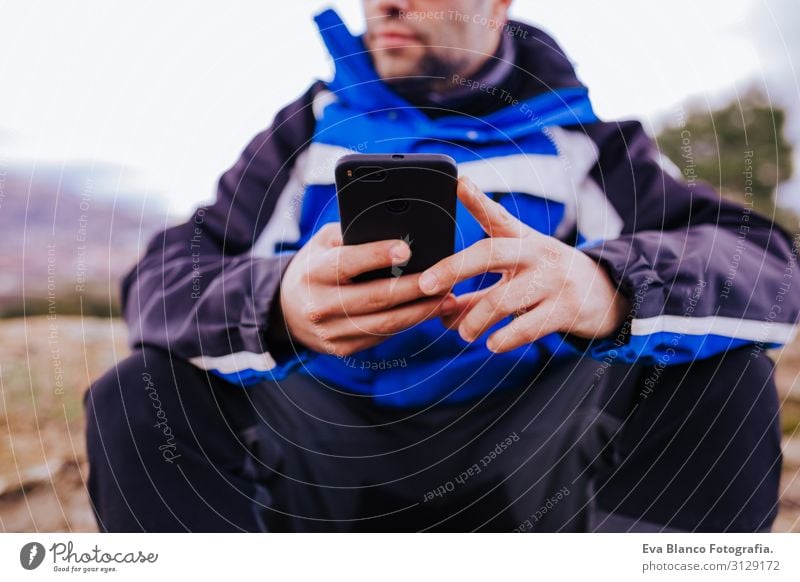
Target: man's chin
(402,78)
(397,67)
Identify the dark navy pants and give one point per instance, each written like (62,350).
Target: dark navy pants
(584,447)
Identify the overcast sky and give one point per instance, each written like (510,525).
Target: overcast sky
(173,90)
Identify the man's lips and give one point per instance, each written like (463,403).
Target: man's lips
(392,39)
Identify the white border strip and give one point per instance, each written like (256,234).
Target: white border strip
(562,178)
(538,174)
(284,224)
(759,331)
(238,362)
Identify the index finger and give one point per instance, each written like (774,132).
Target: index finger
(488,255)
(492,216)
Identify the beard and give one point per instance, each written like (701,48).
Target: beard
(432,75)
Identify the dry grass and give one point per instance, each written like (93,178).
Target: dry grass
(45,367)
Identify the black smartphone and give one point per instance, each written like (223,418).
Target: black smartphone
(404,196)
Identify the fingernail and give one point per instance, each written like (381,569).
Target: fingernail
(428,282)
(398,252)
(471,185)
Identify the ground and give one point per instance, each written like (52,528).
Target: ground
(46,365)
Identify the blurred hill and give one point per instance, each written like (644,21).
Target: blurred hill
(68,236)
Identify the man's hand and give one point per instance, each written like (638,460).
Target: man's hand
(549,286)
(326,312)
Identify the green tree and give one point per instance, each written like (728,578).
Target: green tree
(740,149)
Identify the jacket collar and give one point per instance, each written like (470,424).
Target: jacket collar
(358,85)
(356,81)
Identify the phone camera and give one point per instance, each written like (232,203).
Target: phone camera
(370,174)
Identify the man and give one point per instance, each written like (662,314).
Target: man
(585,361)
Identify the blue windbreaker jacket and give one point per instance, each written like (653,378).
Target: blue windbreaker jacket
(703,275)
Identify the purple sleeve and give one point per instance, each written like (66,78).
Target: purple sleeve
(703,273)
(200,291)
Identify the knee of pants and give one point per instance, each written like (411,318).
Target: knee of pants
(702,451)
(735,390)
(132,404)
(731,389)
(152,406)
